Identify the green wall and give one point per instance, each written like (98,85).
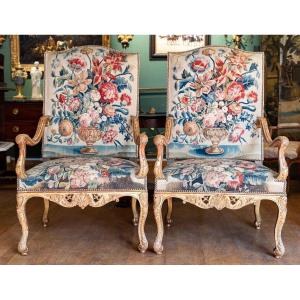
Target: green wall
(153,74)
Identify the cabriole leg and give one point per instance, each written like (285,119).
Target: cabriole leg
(158,202)
(45,214)
(169,213)
(143,201)
(135,219)
(21,211)
(257,214)
(282,210)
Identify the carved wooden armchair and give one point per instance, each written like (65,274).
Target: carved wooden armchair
(215,124)
(90,125)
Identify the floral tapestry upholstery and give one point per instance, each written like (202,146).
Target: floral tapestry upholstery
(80,173)
(91,93)
(219,175)
(215,95)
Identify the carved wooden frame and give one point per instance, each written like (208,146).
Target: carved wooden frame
(222,200)
(79,198)
(15,52)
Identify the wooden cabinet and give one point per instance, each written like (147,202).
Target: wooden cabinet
(21,117)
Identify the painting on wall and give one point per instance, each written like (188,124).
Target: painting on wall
(270,46)
(160,45)
(25,49)
(289,79)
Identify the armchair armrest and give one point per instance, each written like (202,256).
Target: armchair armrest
(160,141)
(281,142)
(23,139)
(141,139)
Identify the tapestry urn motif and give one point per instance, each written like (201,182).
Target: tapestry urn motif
(215,135)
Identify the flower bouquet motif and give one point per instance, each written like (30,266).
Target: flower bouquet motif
(216,96)
(92,98)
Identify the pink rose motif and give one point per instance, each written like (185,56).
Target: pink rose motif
(79,179)
(235,91)
(184,100)
(109,111)
(237,181)
(209,120)
(238,60)
(220,94)
(187,171)
(62,98)
(125,99)
(85,120)
(108,92)
(198,105)
(200,65)
(114,61)
(109,136)
(74,104)
(95,95)
(220,116)
(76,64)
(53,170)
(213,178)
(247,165)
(235,109)
(94,116)
(252,96)
(236,134)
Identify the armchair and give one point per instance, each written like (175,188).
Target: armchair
(215,126)
(90,133)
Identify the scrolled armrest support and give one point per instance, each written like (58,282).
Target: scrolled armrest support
(281,142)
(141,139)
(160,141)
(23,140)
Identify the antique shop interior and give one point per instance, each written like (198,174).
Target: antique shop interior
(149,149)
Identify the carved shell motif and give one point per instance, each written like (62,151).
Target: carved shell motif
(65,127)
(190,128)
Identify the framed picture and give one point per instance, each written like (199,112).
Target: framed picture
(26,49)
(160,45)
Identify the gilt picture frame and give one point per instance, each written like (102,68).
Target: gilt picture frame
(160,45)
(23,48)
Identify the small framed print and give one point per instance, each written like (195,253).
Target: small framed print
(160,45)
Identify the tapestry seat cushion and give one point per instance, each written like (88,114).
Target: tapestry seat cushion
(219,175)
(83,173)
(291,152)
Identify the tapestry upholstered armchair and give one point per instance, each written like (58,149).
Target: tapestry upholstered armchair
(90,134)
(215,125)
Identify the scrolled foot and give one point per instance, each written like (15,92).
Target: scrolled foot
(169,222)
(257,225)
(158,248)
(279,252)
(135,221)
(143,247)
(45,223)
(23,251)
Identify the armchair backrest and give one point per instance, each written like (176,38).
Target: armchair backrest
(215,95)
(91,93)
